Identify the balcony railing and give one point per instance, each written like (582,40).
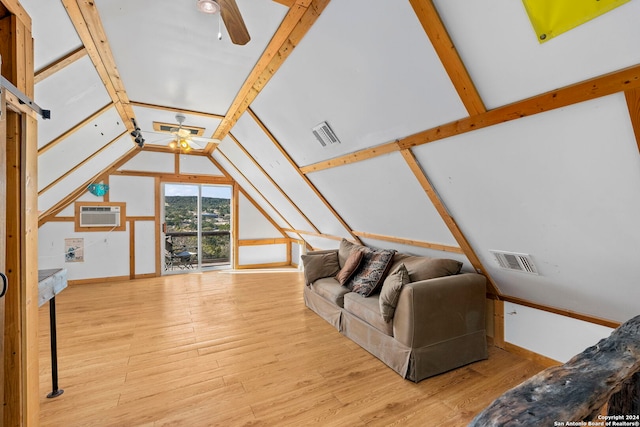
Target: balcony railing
(216,246)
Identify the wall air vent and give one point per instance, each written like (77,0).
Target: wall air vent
(515,261)
(99,216)
(325,134)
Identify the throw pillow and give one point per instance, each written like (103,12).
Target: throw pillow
(390,292)
(375,265)
(430,268)
(350,266)
(317,266)
(345,249)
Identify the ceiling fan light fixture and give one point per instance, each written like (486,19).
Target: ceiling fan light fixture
(208,6)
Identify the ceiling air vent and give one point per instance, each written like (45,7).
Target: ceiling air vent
(515,261)
(325,134)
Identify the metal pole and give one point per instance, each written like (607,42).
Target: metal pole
(54,350)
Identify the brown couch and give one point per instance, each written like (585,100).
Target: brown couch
(439,318)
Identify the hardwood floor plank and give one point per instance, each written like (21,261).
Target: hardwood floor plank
(237,349)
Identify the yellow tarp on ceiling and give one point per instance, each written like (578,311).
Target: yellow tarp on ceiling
(554,17)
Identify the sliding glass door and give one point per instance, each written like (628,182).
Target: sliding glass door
(197,227)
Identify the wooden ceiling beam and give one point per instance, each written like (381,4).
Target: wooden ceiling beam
(313,188)
(175,110)
(262,211)
(79,165)
(446,51)
(410,242)
(633,103)
(86,20)
(73,130)
(254,189)
(58,65)
(292,29)
(72,196)
(275,184)
(624,80)
(451,224)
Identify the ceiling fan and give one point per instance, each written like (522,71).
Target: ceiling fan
(184,138)
(231,16)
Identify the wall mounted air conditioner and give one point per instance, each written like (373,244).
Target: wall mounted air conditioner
(99,216)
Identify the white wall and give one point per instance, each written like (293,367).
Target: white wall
(551,335)
(263,254)
(106,254)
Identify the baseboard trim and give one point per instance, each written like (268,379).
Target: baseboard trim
(98,280)
(545,361)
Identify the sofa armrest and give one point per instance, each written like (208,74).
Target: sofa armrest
(436,310)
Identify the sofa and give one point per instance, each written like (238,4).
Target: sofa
(420,316)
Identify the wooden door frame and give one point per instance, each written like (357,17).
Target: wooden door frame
(3,210)
(21,367)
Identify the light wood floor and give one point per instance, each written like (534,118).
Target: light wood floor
(234,349)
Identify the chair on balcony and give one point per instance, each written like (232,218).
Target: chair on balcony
(176,257)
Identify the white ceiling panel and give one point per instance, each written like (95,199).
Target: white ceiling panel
(501,52)
(179,46)
(80,145)
(149,161)
(230,149)
(373,81)
(200,165)
(53,34)
(271,159)
(252,223)
(83,174)
(382,196)
(146,116)
(249,189)
(562,186)
(72,95)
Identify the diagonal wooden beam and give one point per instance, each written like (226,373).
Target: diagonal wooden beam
(58,65)
(437,33)
(262,211)
(633,103)
(86,20)
(175,110)
(293,28)
(72,196)
(313,188)
(79,165)
(73,130)
(275,184)
(624,80)
(413,164)
(255,189)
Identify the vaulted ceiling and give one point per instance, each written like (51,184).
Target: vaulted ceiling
(459,132)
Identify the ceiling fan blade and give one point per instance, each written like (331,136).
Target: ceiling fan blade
(234,22)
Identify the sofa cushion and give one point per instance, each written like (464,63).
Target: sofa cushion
(390,291)
(372,271)
(330,289)
(317,266)
(424,268)
(350,267)
(367,309)
(345,249)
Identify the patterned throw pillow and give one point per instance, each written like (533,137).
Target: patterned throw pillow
(390,292)
(373,268)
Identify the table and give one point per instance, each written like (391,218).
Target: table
(50,283)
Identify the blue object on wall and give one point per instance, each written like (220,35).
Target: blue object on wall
(98,189)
